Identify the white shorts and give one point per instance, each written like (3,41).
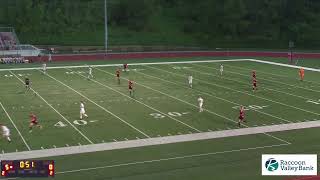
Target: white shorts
(190,82)
(6,133)
(82,111)
(200,105)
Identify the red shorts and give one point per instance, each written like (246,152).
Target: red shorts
(254,84)
(241,117)
(34,122)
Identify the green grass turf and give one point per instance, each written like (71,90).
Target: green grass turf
(212,162)
(160,89)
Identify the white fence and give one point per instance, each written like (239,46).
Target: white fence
(22,50)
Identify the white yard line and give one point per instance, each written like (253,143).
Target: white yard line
(157,141)
(131,64)
(219,115)
(232,72)
(294,107)
(127,123)
(174,98)
(284,65)
(24,141)
(185,124)
(169,159)
(209,94)
(84,136)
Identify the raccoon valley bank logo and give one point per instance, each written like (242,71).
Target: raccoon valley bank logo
(289,164)
(272,164)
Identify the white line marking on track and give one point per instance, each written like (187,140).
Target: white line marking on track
(67,145)
(54,146)
(114,140)
(55,110)
(42,147)
(126,139)
(79,144)
(127,123)
(24,141)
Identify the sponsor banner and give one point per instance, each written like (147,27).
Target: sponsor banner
(289,164)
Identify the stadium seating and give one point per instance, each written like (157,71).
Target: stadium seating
(7,41)
(13,60)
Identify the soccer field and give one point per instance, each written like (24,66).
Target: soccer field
(159,133)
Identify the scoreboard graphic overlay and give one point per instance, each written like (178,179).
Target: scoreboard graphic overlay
(27,168)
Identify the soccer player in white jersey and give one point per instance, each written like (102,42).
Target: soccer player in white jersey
(44,68)
(82,110)
(5,132)
(50,57)
(221,69)
(200,101)
(190,78)
(90,75)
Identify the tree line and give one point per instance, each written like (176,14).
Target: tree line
(270,23)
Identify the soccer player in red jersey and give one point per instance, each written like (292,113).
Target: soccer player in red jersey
(254,75)
(254,84)
(131,88)
(125,67)
(241,116)
(118,75)
(33,122)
